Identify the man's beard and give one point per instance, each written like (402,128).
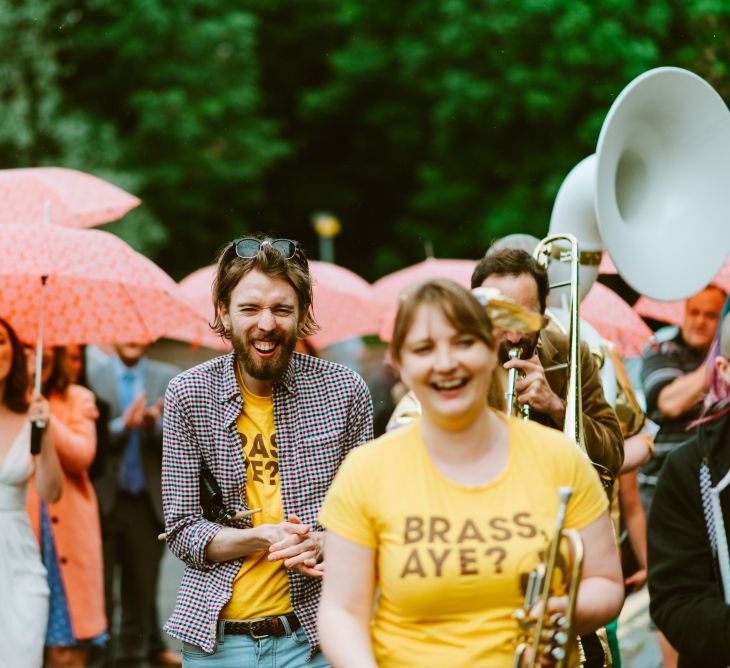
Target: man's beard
(527,344)
(264,369)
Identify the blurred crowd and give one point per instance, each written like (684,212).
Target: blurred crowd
(98,537)
(94,501)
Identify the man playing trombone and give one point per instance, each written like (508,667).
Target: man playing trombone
(517,275)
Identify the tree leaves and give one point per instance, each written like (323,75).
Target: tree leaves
(450,122)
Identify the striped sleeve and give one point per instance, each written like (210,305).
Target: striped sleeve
(657,372)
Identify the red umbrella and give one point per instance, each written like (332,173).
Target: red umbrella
(615,320)
(98,289)
(197,288)
(344,306)
(607,266)
(669,312)
(389,288)
(62,196)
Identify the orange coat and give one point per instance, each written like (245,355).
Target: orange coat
(75,517)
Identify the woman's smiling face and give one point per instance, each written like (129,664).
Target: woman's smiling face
(448,370)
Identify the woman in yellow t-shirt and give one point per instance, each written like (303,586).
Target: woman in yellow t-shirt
(447,516)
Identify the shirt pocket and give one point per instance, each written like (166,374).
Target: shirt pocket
(318,456)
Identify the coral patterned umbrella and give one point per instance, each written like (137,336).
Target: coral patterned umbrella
(344,307)
(345,304)
(607,266)
(669,312)
(197,288)
(390,287)
(97,288)
(61,196)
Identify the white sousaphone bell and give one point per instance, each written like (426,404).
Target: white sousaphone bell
(656,193)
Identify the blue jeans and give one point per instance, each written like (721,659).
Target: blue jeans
(289,651)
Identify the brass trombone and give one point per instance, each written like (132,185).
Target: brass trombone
(512,406)
(550,636)
(546,250)
(507,314)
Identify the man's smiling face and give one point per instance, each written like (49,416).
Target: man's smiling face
(264,318)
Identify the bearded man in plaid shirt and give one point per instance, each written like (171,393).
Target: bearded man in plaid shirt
(272,426)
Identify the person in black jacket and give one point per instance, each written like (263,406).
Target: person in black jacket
(688,597)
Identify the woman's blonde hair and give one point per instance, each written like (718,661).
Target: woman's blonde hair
(460,308)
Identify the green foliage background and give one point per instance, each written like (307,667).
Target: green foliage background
(446,122)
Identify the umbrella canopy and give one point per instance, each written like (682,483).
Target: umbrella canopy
(73,198)
(615,320)
(197,288)
(607,266)
(98,290)
(669,312)
(389,288)
(344,306)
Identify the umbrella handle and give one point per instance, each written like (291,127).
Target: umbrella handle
(36,429)
(36,434)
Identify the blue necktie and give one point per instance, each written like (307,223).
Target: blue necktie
(131,475)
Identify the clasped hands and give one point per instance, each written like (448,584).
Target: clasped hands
(294,543)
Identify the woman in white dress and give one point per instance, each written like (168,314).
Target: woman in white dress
(23,587)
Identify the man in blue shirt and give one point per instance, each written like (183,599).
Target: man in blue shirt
(129,493)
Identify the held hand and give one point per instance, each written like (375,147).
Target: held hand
(316,571)
(39,411)
(285,534)
(533,389)
(91,412)
(636,581)
(134,414)
(555,605)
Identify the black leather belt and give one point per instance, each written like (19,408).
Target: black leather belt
(263,627)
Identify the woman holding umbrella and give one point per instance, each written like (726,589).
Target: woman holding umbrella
(23,588)
(69,530)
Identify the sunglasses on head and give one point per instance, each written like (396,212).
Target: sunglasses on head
(248,248)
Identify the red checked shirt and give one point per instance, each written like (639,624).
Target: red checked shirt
(321,411)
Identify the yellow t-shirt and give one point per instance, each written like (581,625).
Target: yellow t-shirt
(261,587)
(452,561)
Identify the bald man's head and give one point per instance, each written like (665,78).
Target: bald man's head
(702,318)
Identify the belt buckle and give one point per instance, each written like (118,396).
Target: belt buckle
(259,636)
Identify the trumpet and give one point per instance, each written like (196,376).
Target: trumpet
(548,248)
(550,636)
